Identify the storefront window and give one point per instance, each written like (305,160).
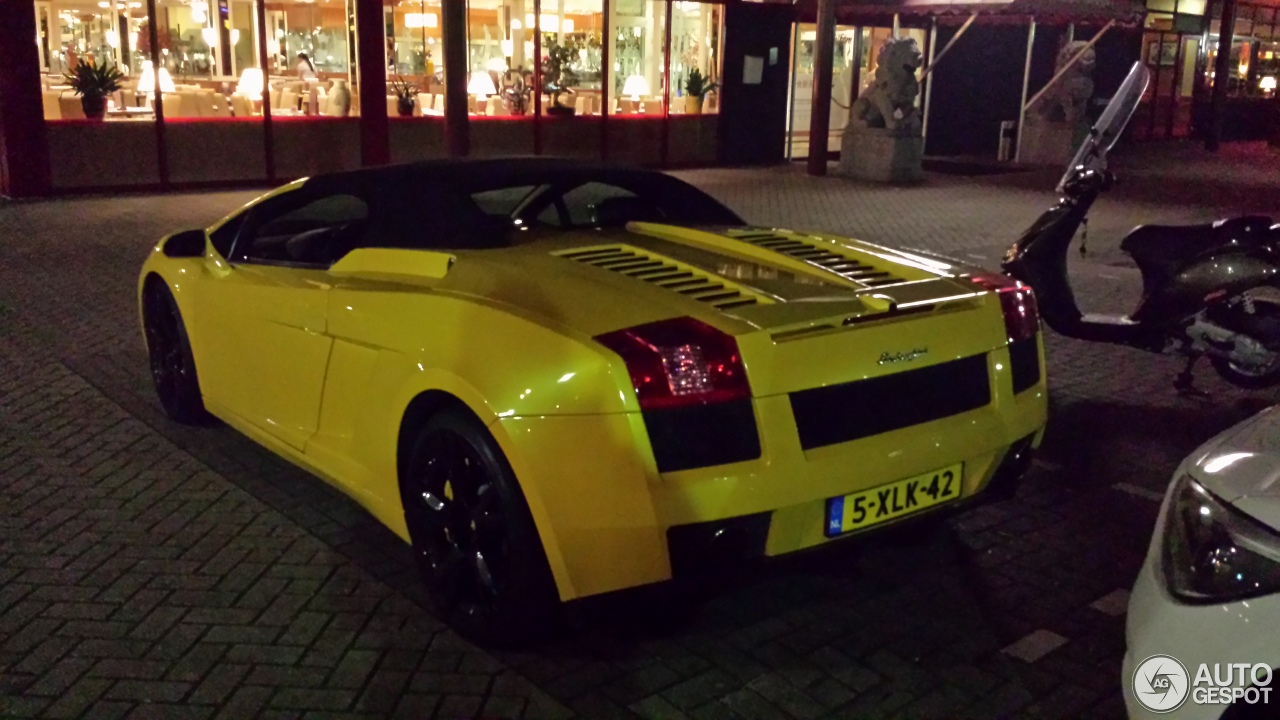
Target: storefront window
(845,63)
(499,58)
(71,30)
(414,53)
(572,52)
(1254,64)
(322,30)
(637,56)
(695,55)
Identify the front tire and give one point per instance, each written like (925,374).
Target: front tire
(473,536)
(173,367)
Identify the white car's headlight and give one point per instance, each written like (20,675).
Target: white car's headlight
(1214,553)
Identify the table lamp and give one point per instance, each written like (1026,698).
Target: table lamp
(251,83)
(1268,84)
(481,85)
(147,80)
(635,86)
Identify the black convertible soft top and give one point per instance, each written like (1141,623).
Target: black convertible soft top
(430,203)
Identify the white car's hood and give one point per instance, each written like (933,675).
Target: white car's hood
(1242,466)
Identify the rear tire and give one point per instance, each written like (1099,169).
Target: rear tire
(1245,379)
(473,536)
(173,367)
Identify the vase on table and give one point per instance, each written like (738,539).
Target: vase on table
(340,99)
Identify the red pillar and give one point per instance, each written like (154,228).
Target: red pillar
(457,130)
(820,116)
(24,144)
(371,59)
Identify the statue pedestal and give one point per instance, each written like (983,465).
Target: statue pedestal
(1048,143)
(875,154)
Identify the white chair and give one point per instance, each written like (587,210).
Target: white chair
(437,106)
(69,107)
(653,105)
(190,103)
(206,100)
(241,105)
(221,107)
(52,110)
(424,104)
(494,107)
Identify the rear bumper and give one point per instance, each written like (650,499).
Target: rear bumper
(609,520)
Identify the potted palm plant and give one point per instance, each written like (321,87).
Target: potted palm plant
(406,96)
(93,82)
(696,87)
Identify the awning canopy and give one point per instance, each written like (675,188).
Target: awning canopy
(1065,11)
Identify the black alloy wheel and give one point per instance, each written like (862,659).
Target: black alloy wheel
(473,537)
(173,368)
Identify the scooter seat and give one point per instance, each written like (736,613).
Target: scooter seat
(1167,247)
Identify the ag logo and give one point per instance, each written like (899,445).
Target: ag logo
(1161,683)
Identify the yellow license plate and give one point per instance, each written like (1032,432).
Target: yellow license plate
(888,502)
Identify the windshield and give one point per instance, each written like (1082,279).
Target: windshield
(1104,135)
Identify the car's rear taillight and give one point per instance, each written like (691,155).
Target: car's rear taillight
(679,363)
(1017,301)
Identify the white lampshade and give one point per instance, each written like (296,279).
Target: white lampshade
(235,36)
(1268,83)
(635,86)
(147,81)
(250,83)
(481,84)
(210,36)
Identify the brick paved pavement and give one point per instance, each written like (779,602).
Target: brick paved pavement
(150,570)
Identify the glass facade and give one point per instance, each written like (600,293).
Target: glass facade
(854,63)
(219,65)
(1180,47)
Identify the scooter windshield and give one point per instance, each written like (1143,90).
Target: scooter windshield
(1106,133)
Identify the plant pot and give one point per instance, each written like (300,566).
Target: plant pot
(404,108)
(561,111)
(692,104)
(95,106)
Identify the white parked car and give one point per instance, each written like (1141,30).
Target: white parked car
(1203,632)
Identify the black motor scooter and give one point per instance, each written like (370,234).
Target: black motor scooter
(1208,290)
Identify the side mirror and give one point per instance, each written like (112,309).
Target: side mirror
(185,244)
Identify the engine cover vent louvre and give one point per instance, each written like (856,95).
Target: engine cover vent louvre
(668,274)
(833,262)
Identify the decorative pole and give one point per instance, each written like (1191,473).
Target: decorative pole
(1221,69)
(1026,86)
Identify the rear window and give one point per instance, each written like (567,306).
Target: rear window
(502,201)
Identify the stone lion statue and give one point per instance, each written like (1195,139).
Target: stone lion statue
(889,102)
(1068,100)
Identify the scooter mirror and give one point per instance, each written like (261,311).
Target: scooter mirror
(1106,132)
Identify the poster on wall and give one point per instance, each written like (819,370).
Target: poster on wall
(752,69)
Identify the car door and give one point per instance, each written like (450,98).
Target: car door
(267,310)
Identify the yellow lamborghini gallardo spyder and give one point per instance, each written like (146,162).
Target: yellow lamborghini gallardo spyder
(557,379)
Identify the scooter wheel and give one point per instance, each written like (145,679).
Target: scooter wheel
(1247,379)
